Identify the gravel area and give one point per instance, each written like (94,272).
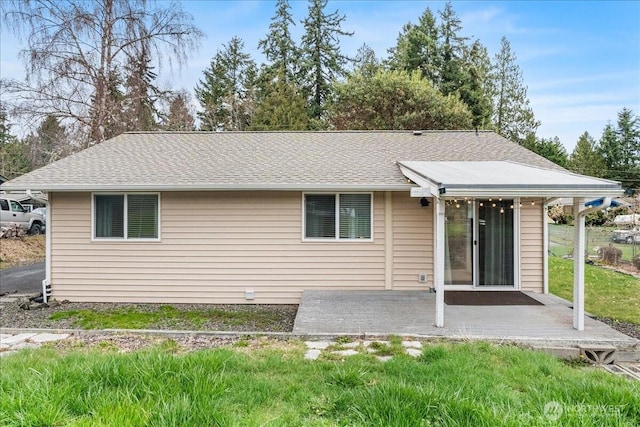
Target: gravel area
(266,318)
(627,328)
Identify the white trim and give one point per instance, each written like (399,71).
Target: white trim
(516,249)
(125,218)
(440,262)
(517,241)
(337,218)
(578,264)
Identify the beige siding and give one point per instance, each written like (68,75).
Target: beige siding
(213,247)
(531,245)
(412,242)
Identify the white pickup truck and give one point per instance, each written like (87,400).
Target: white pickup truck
(12,212)
(629,229)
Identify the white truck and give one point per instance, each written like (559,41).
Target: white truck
(12,212)
(628,229)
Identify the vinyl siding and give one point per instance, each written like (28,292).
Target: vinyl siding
(531,245)
(412,242)
(213,246)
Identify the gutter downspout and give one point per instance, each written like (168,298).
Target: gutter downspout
(46,283)
(578,257)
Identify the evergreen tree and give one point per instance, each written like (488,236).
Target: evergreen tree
(47,143)
(278,47)
(551,149)
(475,90)
(366,62)
(322,62)
(227,90)
(417,49)
(451,50)
(139,112)
(585,158)
(282,108)
(14,156)
(179,117)
(512,116)
(620,148)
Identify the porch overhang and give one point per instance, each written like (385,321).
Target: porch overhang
(503,178)
(484,179)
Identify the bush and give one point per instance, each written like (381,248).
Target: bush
(636,261)
(610,255)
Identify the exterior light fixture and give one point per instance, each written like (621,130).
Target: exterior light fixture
(424,202)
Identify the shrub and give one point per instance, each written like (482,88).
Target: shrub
(610,255)
(636,261)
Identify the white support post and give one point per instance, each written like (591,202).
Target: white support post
(439,267)
(578,264)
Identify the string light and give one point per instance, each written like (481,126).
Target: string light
(481,204)
(493,205)
(501,210)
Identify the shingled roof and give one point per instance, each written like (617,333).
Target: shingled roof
(265,160)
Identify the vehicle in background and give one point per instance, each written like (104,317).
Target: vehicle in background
(12,212)
(628,229)
(41,211)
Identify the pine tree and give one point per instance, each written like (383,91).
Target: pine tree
(179,117)
(585,158)
(282,108)
(366,62)
(139,112)
(278,47)
(620,148)
(227,90)
(512,115)
(417,49)
(14,155)
(475,90)
(48,142)
(551,149)
(322,62)
(451,50)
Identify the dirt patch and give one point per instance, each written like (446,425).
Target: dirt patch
(22,251)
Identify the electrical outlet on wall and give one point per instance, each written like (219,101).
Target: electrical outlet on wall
(422,277)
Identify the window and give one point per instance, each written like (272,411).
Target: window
(337,216)
(126,216)
(4,205)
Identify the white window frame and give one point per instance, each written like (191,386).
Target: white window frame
(337,218)
(126,218)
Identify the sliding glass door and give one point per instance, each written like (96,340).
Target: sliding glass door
(479,239)
(495,243)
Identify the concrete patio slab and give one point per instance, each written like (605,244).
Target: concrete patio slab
(373,313)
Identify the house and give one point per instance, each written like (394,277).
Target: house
(261,216)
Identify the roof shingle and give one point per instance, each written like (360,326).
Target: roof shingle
(204,160)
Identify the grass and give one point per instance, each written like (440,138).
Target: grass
(132,318)
(23,251)
(561,238)
(607,293)
(449,385)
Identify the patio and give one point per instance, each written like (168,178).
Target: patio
(372,313)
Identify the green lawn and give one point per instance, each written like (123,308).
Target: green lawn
(561,241)
(607,293)
(131,318)
(449,385)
